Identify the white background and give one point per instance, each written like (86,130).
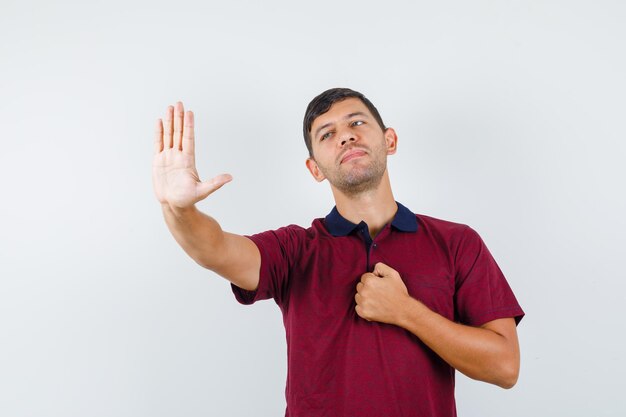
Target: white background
(510,116)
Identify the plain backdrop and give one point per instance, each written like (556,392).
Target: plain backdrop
(510,116)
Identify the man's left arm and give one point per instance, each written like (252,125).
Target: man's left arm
(487,353)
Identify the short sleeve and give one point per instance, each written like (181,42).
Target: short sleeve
(482,293)
(279,249)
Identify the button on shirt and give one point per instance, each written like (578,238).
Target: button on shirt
(342,365)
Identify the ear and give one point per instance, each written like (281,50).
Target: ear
(392,141)
(314,169)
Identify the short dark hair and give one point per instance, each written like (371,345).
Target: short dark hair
(323,102)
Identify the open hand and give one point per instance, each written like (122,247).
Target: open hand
(174,176)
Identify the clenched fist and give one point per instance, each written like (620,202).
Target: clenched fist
(381,295)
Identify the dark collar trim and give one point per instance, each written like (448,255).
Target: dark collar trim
(337,225)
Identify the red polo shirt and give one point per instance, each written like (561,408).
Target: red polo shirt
(342,365)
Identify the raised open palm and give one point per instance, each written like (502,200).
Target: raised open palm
(174,175)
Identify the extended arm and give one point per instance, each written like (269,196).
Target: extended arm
(488,353)
(178,188)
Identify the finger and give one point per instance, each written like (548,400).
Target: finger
(188,134)
(179,111)
(359,311)
(158,137)
(366,276)
(205,188)
(357,298)
(382,270)
(359,287)
(167,128)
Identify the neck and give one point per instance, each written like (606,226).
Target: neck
(376,207)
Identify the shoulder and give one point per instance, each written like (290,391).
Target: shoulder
(444,228)
(292,233)
(452,235)
(314,231)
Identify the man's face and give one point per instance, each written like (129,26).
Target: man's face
(349,147)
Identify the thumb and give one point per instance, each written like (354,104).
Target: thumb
(204,189)
(382,270)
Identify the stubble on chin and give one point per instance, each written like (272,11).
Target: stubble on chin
(358,177)
(358,180)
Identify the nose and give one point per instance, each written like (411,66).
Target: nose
(347,136)
(344,141)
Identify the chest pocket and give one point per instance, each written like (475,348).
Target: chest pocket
(437,293)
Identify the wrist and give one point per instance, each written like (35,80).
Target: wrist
(409,311)
(178,212)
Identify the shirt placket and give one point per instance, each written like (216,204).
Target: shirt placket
(371,246)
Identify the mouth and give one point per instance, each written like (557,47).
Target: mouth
(352,154)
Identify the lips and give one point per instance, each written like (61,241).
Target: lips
(352,154)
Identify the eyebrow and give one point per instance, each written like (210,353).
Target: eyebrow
(349,116)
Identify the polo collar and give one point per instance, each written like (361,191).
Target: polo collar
(337,225)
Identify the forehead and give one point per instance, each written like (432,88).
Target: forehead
(339,110)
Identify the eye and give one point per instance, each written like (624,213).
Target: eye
(358,123)
(326,135)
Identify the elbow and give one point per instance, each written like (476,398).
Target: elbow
(507,383)
(508,375)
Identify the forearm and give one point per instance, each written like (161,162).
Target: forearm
(177,184)
(200,236)
(234,257)
(479,353)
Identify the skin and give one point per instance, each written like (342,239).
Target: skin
(178,188)
(374,205)
(350,151)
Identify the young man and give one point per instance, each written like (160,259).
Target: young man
(380,305)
